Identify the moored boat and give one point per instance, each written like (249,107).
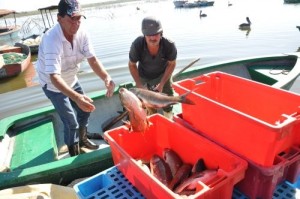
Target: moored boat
(203,3)
(14,60)
(291,1)
(179,3)
(8,31)
(33,141)
(193,4)
(33,41)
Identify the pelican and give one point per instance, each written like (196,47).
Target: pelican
(245,25)
(202,15)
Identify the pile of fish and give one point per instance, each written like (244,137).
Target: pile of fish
(182,178)
(136,100)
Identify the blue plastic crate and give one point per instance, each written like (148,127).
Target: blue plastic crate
(111,183)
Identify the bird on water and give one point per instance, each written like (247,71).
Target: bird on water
(245,25)
(202,14)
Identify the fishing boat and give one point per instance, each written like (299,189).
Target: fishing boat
(32,142)
(14,60)
(202,3)
(291,1)
(193,4)
(179,3)
(8,31)
(33,41)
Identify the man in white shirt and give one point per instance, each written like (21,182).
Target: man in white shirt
(62,49)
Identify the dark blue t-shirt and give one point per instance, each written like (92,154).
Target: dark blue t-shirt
(149,66)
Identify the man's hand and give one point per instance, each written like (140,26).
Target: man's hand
(85,103)
(110,85)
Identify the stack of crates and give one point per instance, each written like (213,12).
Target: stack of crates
(257,122)
(129,147)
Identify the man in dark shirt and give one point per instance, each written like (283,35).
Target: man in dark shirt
(152,59)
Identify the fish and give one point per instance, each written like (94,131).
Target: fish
(160,169)
(138,121)
(156,100)
(199,166)
(182,173)
(172,159)
(191,182)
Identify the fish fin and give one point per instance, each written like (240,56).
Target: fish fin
(185,100)
(127,124)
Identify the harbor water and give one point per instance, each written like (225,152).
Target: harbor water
(213,38)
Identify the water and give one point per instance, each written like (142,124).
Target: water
(213,38)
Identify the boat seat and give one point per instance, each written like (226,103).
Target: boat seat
(268,75)
(31,141)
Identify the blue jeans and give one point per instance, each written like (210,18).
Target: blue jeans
(70,114)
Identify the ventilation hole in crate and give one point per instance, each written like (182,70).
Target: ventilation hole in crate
(115,191)
(288,195)
(111,187)
(119,195)
(129,192)
(280,190)
(101,193)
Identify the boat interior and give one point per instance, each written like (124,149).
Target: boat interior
(36,137)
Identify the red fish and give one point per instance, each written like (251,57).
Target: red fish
(182,173)
(152,99)
(191,182)
(172,159)
(199,166)
(137,114)
(160,169)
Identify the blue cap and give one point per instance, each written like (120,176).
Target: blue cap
(71,8)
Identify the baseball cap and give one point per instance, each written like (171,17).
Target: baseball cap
(71,8)
(151,26)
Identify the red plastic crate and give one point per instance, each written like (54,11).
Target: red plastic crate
(260,181)
(127,147)
(252,119)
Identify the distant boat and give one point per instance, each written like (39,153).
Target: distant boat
(192,4)
(33,41)
(14,60)
(203,3)
(291,1)
(179,3)
(8,31)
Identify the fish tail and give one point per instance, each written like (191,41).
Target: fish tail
(185,100)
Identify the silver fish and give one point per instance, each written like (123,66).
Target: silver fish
(156,100)
(138,120)
(191,182)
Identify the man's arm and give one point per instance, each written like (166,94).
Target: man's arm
(135,74)
(168,73)
(83,101)
(99,69)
